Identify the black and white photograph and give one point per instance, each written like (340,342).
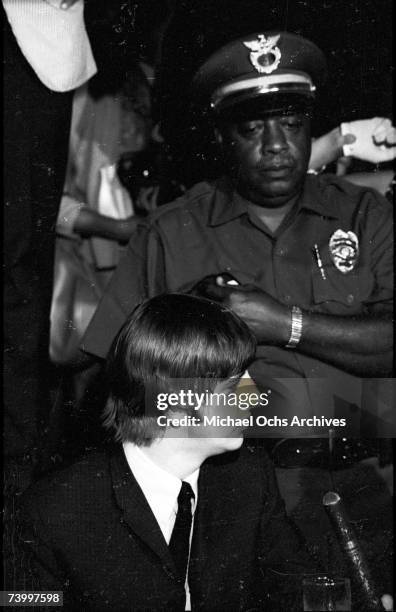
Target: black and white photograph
(198,379)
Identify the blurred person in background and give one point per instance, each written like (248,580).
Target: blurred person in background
(46,55)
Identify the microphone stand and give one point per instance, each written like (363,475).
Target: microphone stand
(360,572)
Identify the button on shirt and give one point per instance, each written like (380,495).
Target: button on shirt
(210,230)
(161,489)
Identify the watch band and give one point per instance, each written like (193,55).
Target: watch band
(296,327)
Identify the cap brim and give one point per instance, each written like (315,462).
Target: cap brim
(249,108)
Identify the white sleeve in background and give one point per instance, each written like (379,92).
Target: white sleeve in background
(69,210)
(53,40)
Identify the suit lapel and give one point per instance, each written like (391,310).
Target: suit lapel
(210,511)
(136,511)
(215,486)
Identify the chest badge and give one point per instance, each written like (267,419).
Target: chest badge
(265,55)
(344,250)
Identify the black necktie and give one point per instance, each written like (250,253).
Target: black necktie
(180,540)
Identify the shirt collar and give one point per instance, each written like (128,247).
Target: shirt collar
(313,198)
(227,204)
(160,488)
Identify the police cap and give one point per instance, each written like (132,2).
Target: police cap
(272,70)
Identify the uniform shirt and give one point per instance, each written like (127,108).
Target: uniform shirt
(161,489)
(210,230)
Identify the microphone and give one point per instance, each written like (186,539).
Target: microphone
(360,572)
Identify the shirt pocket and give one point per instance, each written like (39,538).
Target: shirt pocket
(337,293)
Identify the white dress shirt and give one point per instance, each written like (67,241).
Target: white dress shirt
(53,40)
(161,490)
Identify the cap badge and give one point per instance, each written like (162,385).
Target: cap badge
(265,55)
(344,250)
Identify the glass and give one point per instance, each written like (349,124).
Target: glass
(326,593)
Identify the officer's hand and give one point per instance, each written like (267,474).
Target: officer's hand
(205,288)
(268,319)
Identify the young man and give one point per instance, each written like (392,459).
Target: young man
(113,532)
(310,256)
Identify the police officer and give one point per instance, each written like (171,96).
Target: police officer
(305,261)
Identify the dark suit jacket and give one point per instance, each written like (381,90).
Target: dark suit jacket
(91,534)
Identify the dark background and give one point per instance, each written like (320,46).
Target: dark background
(355,35)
